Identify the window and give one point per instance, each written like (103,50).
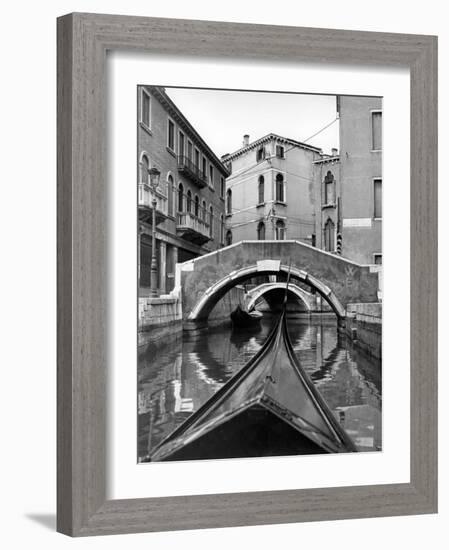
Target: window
(378,198)
(280,230)
(211,221)
(221,229)
(377,259)
(170,195)
(280,196)
(376,128)
(329,236)
(189,201)
(228,237)
(260,154)
(197,158)
(189,150)
(171,135)
(203,214)
(229,202)
(261,231)
(145,111)
(197,206)
(181,144)
(204,167)
(329,188)
(279,151)
(180,198)
(145,165)
(222,187)
(211,175)
(261,190)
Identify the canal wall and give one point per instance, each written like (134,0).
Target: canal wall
(159,318)
(363,326)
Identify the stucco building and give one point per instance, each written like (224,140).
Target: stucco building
(361,177)
(327,186)
(190,197)
(270,192)
(348,186)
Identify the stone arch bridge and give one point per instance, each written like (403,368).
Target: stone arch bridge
(203,281)
(264,290)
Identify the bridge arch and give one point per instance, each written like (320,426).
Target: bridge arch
(216,291)
(304,297)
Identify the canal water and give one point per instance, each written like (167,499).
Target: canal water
(175,379)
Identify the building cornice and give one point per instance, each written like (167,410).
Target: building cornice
(265,139)
(328,160)
(160,94)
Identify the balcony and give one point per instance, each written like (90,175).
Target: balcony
(191,171)
(192,228)
(145,199)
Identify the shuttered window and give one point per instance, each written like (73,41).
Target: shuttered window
(378,198)
(261,190)
(145,110)
(171,135)
(376,122)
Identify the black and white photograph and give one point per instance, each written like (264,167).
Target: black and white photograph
(259,273)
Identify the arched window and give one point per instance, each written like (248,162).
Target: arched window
(144,166)
(180,198)
(203,214)
(189,201)
(228,237)
(221,229)
(329,236)
(229,202)
(280,195)
(261,190)
(261,231)
(170,195)
(329,188)
(197,206)
(280,230)
(211,221)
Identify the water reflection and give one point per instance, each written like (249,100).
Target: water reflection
(175,380)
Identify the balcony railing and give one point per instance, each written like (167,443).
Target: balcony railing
(145,202)
(192,171)
(193,228)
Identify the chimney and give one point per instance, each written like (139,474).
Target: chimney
(245,140)
(334,152)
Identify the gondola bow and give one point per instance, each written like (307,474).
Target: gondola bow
(270,407)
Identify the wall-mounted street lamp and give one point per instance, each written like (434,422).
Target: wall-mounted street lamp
(155,175)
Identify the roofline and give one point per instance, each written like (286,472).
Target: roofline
(161,95)
(268,137)
(335,158)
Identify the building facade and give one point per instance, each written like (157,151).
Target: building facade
(348,186)
(361,177)
(328,211)
(190,196)
(270,192)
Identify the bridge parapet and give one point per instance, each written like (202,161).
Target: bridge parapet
(206,279)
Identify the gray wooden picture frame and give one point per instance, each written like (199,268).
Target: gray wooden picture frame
(83,41)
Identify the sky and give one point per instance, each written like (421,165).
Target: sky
(222,117)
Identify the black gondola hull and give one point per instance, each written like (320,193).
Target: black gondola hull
(269,408)
(255,432)
(244,319)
